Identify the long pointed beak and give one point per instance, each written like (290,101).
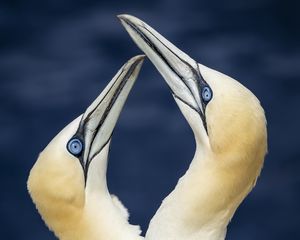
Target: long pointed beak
(181,72)
(98,121)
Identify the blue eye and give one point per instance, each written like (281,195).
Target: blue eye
(75,146)
(206,94)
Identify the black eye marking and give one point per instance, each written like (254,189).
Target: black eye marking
(75,146)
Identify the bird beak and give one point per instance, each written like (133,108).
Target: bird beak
(98,121)
(181,72)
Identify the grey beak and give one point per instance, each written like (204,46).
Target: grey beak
(98,121)
(180,71)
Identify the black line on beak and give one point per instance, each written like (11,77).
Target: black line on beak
(81,132)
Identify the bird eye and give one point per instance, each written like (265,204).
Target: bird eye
(75,146)
(206,94)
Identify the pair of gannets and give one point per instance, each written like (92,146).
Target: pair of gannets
(68,181)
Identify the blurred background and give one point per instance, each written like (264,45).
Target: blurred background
(56,56)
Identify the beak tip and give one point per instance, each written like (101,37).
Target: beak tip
(140,58)
(135,64)
(137,60)
(129,19)
(123,17)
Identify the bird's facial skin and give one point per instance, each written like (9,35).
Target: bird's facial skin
(71,170)
(231,140)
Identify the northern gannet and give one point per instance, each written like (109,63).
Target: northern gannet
(229,126)
(68,181)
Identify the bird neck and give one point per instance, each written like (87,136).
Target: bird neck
(203,202)
(106,218)
(102,217)
(65,220)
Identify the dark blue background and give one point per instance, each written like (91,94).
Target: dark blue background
(56,56)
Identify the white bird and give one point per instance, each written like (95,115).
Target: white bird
(68,181)
(229,126)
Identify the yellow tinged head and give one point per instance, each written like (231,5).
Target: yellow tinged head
(56,183)
(237,131)
(235,118)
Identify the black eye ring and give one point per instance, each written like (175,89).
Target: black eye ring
(75,146)
(206,94)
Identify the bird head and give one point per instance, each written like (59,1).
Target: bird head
(223,114)
(73,165)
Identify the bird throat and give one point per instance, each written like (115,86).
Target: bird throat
(202,203)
